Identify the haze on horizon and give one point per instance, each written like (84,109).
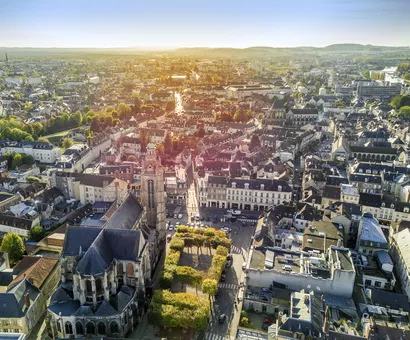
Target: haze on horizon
(211,23)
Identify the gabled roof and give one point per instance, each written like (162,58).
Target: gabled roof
(38,273)
(79,239)
(105,310)
(110,244)
(126,215)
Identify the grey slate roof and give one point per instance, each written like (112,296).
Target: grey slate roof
(110,244)
(105,309)
(12,304)
(126,215)
(79,237)
(67,308)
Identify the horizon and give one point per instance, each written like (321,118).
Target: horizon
(164,48)
(213,24)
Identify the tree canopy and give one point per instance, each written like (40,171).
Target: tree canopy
(13,245)
(37,233)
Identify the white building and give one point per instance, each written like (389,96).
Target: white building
(331,274)
(42,152)
(400,252)
(247,194)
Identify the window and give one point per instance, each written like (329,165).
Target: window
(79,329)
(68,328)
(378,284)
(368,282)
(101,328)
(130,270)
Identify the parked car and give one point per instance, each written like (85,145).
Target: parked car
(171,227)
(229,257)
(169,237)
(208,219)
(180,216)
(244,266)
(266,323)
(175,215)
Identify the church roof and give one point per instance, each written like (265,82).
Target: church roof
(110,244)
(105,310)
(278,104)
(126,215)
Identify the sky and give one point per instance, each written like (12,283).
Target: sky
(210,23)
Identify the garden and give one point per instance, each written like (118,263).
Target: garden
(193,267)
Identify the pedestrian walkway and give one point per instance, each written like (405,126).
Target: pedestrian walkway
(213,336)
(228,285)
(236,250)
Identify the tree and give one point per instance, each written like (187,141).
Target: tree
(76,118)
(224,116)
(132,158)
(170,105)
(167,143)
(201,132)
(255,143)
(404,112)
(36,233)
(17,161)
(395,102)
(124,111)
(241,116)
(13,245)
(43,139)
(144,140)
(67,142)
(210,287)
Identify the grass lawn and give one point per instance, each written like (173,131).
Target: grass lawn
(56,137)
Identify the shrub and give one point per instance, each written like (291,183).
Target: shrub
(244,322)
(177,244)
(221,250)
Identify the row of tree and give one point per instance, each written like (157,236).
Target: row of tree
(15,160)
(239,116)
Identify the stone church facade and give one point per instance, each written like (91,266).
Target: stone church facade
(105,271)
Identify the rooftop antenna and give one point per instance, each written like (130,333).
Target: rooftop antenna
(7,58)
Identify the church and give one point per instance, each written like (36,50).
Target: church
(106,272)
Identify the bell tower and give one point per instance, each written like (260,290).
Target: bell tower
(153,192)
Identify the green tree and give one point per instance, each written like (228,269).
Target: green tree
(77,118)
(17,161)
(33,179)
(13,246)
(395,102)
(36,233)
(242,116)
(210,287)
(43,139)
(124,111)
(67,142)
(404,112)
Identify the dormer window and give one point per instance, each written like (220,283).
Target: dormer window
(233,184)
(406,210)
(279,188)
(392,206)
(246,185)
(383,204)
(262,186)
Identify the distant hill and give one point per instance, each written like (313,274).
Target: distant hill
(254,51)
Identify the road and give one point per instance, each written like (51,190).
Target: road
(228,290)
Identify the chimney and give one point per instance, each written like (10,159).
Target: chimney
(27,299)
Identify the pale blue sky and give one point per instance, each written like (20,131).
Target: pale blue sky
(222,23)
